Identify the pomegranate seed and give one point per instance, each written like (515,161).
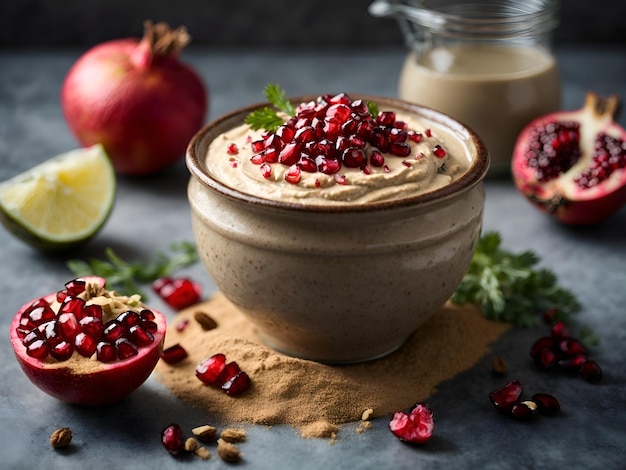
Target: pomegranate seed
(286,133)
(113,330)
(546,342)
(180,293)
(560,330)
(439,151)
(75,287)
(590,371)
(386,118)
(547,358)
(92,326)
(74,305)
(376,158)
(233,162)
(62,351)
(400,149)
(573,363)
(68,325)
(40,315)
(106,352)
(149,326)
(49,331)
(266,170)
(85,345)
(140,336)
(353,157)
(160,283)
(341,179)
(546,404)
(125,348)
(522,411)
(172,438)
(414,136)
(415,427)
(147,315)
(397,135)
(428,133)
(572,347)
(181,325)
(506,396)
(237,384)
(293,175)
(38,349)
(129,318)
(229,371)
(174,354)
(232,149)
(92,310)
(209,370)
(326,165)
(258,146)
(290,154)
(307,164)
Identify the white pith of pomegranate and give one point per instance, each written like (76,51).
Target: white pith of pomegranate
(572,164)
(80,377)
(137,99)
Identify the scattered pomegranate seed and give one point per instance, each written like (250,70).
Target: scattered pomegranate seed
(228,376)
(232,149)
(181,325)
(439,151)
(174,354)
(415,427)
(546,404)
(209,370)
(522,411)
(178,293)
(237,384)
(591,372)
(506,396)
(172,438)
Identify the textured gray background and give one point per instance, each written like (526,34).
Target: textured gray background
(321,23)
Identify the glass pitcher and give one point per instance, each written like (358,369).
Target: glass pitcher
(486,63)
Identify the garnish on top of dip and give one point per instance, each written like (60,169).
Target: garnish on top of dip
(336,150)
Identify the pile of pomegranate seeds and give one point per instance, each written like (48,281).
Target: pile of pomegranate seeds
(178,293)
(78,326)
(561,351)
(217,372)
(553,149)
(507,400)
(609,155)
(415,427)
(333,132)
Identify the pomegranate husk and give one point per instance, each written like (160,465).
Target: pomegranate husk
(100,383)
(137,99)
(562,197)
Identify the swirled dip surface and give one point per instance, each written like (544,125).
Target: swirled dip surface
(420,172)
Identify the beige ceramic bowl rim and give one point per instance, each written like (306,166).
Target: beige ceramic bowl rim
(473,176)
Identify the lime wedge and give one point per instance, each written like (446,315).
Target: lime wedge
(62,202)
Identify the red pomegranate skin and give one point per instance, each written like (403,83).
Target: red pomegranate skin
(103,383)
(143,107)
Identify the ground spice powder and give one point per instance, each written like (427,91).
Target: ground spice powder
(317,398)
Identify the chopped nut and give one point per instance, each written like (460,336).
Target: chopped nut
(233,435)
(498,365)
(205,433)
(228,452)
(203,453)
(530,404)
(206,322)
(61,438)
(191,445)
(367,414)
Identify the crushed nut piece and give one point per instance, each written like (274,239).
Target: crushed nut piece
(498,365)
(228,452)
(206,322)
(233,435)
(205,433)
(530,404)
(61,438)
(203,453)
(191,445)
(367,414)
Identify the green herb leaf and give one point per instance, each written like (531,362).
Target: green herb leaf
(509,287)
(276,96)
(125,277)
(267,118)
(372,108)
(264,118)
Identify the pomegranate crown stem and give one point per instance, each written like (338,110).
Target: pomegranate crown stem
(601,106)
(159,40)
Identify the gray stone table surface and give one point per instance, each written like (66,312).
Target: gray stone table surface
(152,212)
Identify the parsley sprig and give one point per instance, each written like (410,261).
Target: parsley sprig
(126,276)
(510,288)
(268,118)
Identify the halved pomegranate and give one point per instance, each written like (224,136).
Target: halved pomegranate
(572,164)
(87,345)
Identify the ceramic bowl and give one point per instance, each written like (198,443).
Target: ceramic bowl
(337,284)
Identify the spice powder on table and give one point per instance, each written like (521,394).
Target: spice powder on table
(317,398)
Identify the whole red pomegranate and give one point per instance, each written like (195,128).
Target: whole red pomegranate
(137,99)
(87,345)
(572,164)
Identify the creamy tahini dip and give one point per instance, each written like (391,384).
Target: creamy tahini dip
(418,173)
